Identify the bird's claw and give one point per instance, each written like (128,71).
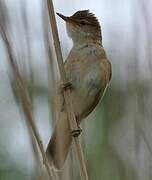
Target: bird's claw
(76,132)
(66,86)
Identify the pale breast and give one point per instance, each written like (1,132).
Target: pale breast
(88,77)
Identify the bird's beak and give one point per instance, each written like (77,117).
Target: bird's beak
(65,18)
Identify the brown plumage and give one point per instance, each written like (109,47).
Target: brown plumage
(89,71)
(87,16)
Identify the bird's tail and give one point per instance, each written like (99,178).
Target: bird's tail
(60,142)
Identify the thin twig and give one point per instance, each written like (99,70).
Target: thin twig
(50,62)
(51,77)
(71,115)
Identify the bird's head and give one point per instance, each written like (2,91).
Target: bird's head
(83,27)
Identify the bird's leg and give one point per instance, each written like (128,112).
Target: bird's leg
(66,86)
(75,132)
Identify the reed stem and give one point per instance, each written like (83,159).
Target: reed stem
(71,115)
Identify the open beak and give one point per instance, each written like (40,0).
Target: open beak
(65,18)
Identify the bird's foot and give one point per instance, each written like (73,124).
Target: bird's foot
(76,132)
(66,86)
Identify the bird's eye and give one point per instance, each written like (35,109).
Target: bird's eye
(83,22)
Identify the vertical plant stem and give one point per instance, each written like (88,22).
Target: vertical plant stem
(26,105)
(24,96)
(51,77)
(71,115)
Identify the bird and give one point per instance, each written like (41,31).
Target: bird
(89,72)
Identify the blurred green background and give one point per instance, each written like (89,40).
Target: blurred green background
(117,135)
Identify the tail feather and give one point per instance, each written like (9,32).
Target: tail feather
(60,142)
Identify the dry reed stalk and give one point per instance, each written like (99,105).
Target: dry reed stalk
(51,71)
(51,77)
(52,83)
(39,173)
(71,115)
(22,89)
(26,105)
(28,55)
